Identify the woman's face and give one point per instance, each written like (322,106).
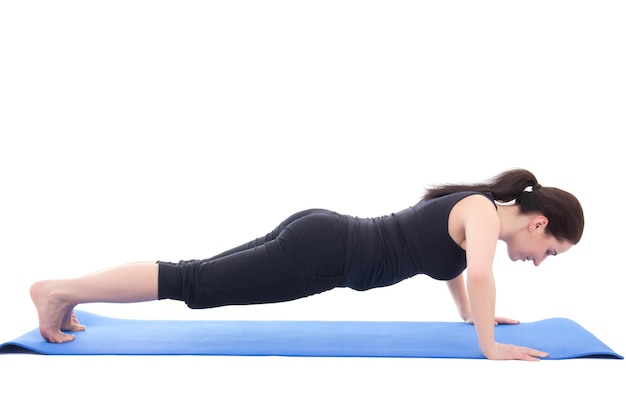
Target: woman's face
(535,245)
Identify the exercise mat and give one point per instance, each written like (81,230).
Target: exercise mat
(562,338)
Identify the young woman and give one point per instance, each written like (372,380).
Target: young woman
(454,228)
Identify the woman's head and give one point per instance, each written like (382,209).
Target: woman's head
(565,216)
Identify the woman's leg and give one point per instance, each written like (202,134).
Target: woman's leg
(305,255)
(55,299)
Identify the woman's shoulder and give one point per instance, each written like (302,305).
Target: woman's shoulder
(475,204)
(477,212)
(454,198)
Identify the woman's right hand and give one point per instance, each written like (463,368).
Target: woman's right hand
(506,352)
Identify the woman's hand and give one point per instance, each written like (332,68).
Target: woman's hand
(498,320)
(504,352)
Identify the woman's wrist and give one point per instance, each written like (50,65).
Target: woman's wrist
(490,350)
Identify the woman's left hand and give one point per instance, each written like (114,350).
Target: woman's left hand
(497,320)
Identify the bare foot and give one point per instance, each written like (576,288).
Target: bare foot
(54,314)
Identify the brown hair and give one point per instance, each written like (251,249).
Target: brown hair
(563,210)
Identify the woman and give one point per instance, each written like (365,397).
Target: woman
(454,228)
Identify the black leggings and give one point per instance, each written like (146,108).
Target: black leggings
(304,255)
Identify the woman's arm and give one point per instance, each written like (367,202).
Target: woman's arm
(459,295)
(475,224)
(481,229)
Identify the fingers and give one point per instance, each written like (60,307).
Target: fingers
(535,353)
(519,353)
(504,320)
(530,356)
(497,320)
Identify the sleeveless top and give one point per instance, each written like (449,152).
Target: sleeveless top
(385,250)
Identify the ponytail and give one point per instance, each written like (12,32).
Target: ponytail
(505,187)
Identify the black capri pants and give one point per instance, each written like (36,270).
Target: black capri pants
(304,255)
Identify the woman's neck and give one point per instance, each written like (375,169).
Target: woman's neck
(511,221)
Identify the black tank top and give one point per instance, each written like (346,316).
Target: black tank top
(385,250)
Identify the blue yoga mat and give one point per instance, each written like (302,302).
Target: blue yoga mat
(562,338)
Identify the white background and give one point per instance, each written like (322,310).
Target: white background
(153,130)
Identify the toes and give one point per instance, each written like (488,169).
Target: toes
(58,337)
(71,323)
(74,327)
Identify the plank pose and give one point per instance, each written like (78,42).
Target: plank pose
(453,229)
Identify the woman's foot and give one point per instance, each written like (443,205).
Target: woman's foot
(54,314)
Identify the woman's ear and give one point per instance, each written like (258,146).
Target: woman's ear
(537,223)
